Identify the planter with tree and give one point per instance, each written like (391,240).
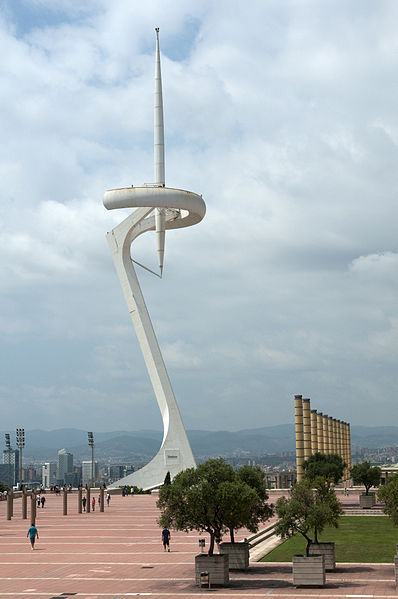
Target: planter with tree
(369,476)
(244,504)
(312,506)
(331,468)
(209,499)
(389,495)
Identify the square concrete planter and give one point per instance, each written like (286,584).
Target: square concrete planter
(396,571)
(367,501)
(216,565)
(326,549)
(309,571)
(238,554)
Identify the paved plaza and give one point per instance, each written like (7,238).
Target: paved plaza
(119,554)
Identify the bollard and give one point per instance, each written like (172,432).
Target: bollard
(88,504)
(102,499)
(9,505)
(33,508)
(24,504)
(12,502)
(65,502)
(79,500)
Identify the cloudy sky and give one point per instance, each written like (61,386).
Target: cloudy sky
(283,115)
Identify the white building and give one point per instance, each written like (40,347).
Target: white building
(49,474)
(86,472)
(65,464)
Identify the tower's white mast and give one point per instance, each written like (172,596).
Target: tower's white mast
(160,217)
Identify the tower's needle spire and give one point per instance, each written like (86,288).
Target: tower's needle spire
(160,216)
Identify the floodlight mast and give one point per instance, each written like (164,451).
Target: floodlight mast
(157,208)
(8,445)
(91,444)
(20,445)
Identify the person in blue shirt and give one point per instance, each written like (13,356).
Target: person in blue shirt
(32,534)
(166,538)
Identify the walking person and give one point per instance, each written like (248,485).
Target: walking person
(38,501)
(84,501)
(93,504)
(43,501)
(108,498)
(32,534)
(166,538)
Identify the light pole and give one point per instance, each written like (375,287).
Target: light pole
(8,445)
(20,445)
(91,444)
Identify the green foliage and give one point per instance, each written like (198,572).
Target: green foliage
(367,475)
(167,478)
(312,506)
(351,541)
(258,511)
(389,495)
(210,498)
(3,488)
(330,466)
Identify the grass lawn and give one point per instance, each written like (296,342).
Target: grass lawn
(363,539)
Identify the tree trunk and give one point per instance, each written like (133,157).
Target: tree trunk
(307,549)
(211,547)
(232,535)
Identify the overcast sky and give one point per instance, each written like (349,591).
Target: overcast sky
(283,115)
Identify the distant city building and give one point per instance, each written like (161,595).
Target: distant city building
(11,457)
(65,465)
(86,472)
(49,474)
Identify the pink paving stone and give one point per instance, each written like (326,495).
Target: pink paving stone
(118,554)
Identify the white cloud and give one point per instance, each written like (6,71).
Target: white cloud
(284,118)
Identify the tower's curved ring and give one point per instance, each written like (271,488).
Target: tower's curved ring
(191,205)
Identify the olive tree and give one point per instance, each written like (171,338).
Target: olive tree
(330,466)
(245,503)
(389,495)
(312,505)
(367,475)
(211,498)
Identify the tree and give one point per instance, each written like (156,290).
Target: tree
(193,500)
(211,498)
(367,475)
(308,510)
(260,511)
(330,466)
(389,495)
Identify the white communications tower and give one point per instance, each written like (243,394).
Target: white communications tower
(157,208)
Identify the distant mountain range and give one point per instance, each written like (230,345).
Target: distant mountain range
(142,445)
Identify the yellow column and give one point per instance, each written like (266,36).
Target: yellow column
(349,447)
(307,427)
(319,417)
(298,416)
(314,432)
(334,423)
(330,434)
(325,434)
(338,437)
(345,453)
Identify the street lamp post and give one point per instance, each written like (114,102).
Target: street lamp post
(8,445)
(20,445)
(91,444)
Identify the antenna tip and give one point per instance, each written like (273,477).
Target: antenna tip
(157,29)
